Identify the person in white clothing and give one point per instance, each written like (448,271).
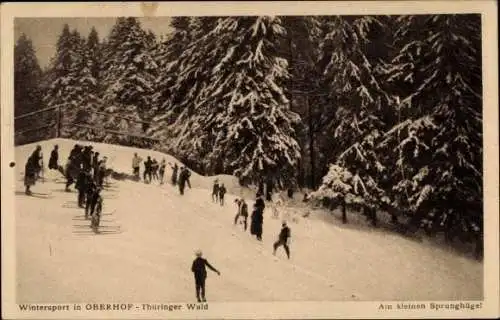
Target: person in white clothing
(136,162)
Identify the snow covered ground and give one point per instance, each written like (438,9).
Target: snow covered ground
(153,232)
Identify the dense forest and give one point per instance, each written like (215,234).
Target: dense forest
(374,113)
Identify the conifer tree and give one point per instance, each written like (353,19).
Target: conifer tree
(360,105)
(27,77)
(438,139)
(128,79)
(28,92)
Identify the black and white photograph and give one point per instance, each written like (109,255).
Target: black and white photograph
(193,161)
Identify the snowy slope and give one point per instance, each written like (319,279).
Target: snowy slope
(147,254)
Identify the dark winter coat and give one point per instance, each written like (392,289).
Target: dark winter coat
(174,174)
(184,177)
(87,159)
(256,224)
(30,170)
(259,204)
(222,192)
(75,153)
(284,234)
(198,267)
(82,182)
(54,158)
(148,164)
(215,189)
(36,156)
(72,168)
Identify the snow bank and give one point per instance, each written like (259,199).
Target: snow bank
(147,255)
(120,160)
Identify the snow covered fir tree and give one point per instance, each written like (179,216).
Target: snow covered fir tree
(373,116)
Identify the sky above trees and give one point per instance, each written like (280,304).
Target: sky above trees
(44,32)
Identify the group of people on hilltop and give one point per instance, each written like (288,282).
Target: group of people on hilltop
(83,168)
(154,171)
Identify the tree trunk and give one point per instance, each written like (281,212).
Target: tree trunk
(374,218)
(394,218)
(312,137)
(58,122)
(344,212)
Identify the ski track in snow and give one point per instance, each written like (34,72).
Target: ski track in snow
(153,232)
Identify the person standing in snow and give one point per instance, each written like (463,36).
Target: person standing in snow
(187,174)
(95,165)
(182,180)
(200,274)
(222,192)
(283,238)
(147,170)
(215,191)
(87,158)
(36,158)
(81,185)
(136,162)
(101,173)
(30,174)
(259,203)
(242,212)
(154,170)
(162,170)
(54,158)
(175,168)
(257,218)
(89,194)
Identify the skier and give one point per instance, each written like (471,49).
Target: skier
(283,239)
(200,274)
(54,157)
(71,172)
(162,170)
(30,174)
(81,185)
(101,172)
(187,174)
(91,202)
(215,191)
(75,152)
(93,199)
(37,158)
(222,192)
(154,169)
(182,180)
(136,161)
(175,168)
(87,158)
(95,165)
(147,170)
(242,211)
